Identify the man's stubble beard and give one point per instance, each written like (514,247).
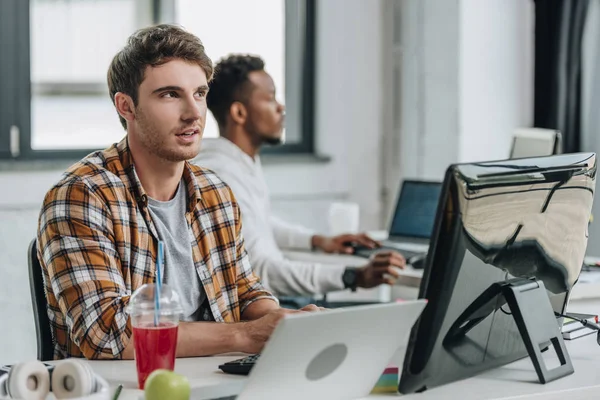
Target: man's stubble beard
(272,141)
(260,138)
(155,143)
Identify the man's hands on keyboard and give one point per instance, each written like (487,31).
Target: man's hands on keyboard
(343,243)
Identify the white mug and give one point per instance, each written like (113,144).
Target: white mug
(344,217)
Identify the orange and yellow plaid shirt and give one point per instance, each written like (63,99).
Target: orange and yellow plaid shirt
(97,244)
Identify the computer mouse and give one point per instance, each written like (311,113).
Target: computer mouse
(418,261)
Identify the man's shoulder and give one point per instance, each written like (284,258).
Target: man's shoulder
(210,184)
(208,179)
(97,172)
(219,155)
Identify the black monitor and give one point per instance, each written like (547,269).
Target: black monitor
(513,220)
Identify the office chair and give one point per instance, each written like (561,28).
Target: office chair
(45,346)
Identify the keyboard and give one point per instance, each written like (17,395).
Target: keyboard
(367,252)
(241,366)
(348,303)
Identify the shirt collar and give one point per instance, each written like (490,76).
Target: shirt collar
(232,149)
(193,188)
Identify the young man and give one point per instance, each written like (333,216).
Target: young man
(100,224)
(242,99)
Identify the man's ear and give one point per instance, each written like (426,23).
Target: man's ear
(238,113)
(125,107)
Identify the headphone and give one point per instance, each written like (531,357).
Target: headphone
(69,379)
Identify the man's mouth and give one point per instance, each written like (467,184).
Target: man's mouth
(189,132)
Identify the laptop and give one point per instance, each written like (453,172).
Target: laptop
(335,354)
(412,223)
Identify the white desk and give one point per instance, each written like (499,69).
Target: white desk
(202,372)
(407,285)
(514,381)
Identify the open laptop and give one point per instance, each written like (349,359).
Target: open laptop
(335,354)
(412,223)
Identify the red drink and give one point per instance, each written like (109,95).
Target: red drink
(154,349)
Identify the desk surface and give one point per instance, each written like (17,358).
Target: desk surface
(407,285)
(516,380)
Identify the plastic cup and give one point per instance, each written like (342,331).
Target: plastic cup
(154,334)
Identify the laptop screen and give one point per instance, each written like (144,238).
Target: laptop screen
(415,211)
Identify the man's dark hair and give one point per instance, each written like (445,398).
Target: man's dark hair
(153,46)
(231,83)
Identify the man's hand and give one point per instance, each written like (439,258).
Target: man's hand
(382,268)
(256,333)
(343,243)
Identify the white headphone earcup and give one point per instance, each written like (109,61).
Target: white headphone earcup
(28,381)
(72,378)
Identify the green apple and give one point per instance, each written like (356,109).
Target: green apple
(164,384)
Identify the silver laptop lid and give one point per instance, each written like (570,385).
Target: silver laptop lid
(337,354)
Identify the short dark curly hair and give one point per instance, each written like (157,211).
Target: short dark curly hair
(231,83)
(152,46)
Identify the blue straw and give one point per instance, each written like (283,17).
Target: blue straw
(159,261)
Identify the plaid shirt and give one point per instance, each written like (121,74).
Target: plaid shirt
(97,244)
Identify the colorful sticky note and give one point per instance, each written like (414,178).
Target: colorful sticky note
(388,381)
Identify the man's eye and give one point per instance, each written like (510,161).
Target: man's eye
(169,94)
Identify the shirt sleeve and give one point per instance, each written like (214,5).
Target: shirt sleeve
(295,278)
(77,248)
(282,276)
(250,288)
(291,236)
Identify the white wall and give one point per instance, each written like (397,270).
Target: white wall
(495,76)
(429,127)
(590,104)
(465,82)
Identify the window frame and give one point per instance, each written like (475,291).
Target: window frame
(15,113)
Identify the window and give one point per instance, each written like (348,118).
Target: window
(70,106)
(57,102)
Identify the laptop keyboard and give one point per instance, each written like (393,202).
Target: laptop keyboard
(240,366)
(367,252)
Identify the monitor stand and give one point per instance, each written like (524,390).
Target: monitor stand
(530,307)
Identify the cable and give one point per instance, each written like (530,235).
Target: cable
(584,322)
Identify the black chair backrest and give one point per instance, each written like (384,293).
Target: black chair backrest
(45,346)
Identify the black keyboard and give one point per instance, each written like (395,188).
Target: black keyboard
(241,366)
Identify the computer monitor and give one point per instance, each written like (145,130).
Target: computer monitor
(415,210)
(535,142)
(497,221)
